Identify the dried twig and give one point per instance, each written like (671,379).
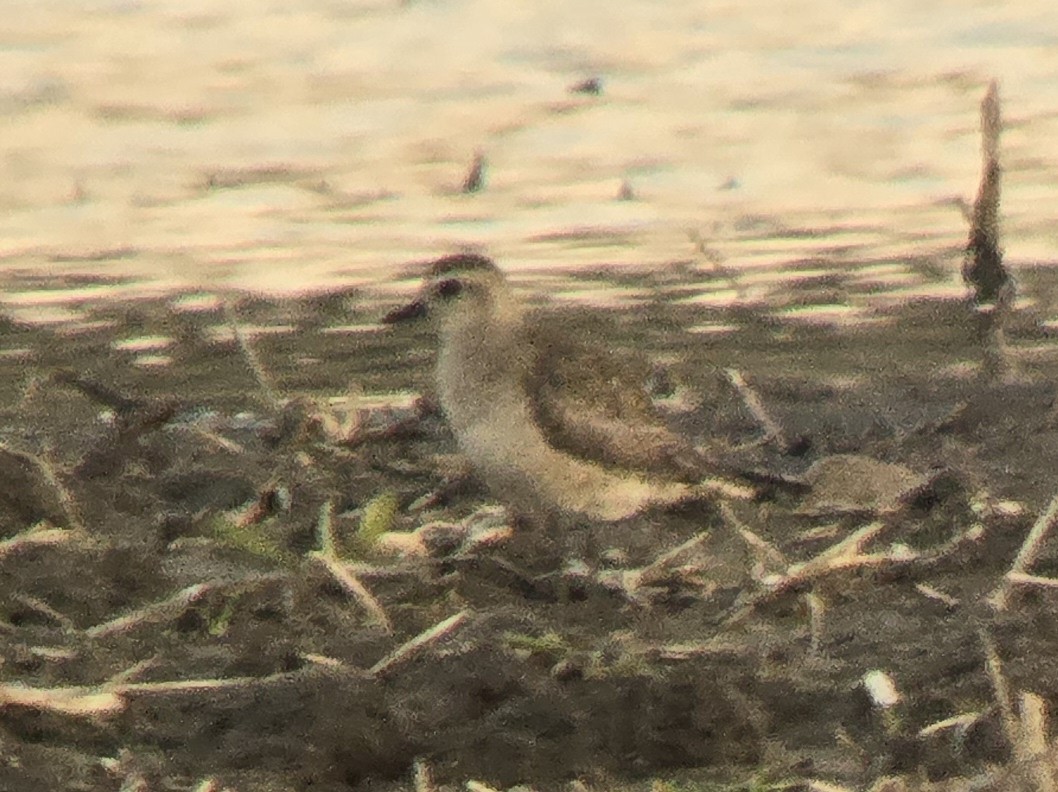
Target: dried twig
(1030,548)
(773,432)
(1000,687)
(327,555)
(660,566)
(840,556)
(1025,579)
(983,269)
(165,610)
(817,616)
(105,700)
(174,606)
(33,487)
(423,777)
(478,786)
(77,701)
(253,360)
(341,572)
(46,610)
(409,649)
(39,534)
(1032,747)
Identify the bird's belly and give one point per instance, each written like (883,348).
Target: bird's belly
(496,431)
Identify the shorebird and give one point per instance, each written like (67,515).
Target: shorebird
(553,428)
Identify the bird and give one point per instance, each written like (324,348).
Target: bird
(555,429)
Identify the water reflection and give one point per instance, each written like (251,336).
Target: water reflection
(190,148)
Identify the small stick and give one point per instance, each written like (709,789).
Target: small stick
(772,430)
(842,555)
(478,786)
(825,786)
(407,650)
(164,610)
(35,535)
(1032,747)
(42,607)
(173,606)
(130,673)
(223,443)
(847,552)
(96,701)
(339,570)
(662,563)
(423,776)
(69,505)
(78,701)
(817,613)
(956,721)
(253,360)
(1027,554)
(929,592)
(994,666)
(767,554)
(323,660)
(1025,579)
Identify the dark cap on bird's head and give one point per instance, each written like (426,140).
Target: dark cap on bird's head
(460,263)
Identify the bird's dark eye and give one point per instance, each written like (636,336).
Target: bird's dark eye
(449,288)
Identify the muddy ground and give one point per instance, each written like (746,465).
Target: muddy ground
(190,497)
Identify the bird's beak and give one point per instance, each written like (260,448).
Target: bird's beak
(413,310)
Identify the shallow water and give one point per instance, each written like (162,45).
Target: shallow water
(819,153)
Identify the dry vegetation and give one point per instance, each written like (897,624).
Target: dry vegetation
(216,577)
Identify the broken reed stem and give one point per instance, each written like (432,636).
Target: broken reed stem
(665,561)
(340,571)
(1030,548)
(478,786)
(164,610)
(423,776)
(173,607)
(125,677)
(93,701)
(768,555)
(36,535)
(69,505)
(43,608)
(111,698)
(840,556)
(994,666)
(223,443)
(253,360)
(1024,579)
(51,478)
(1032,747)
(772,430)
(717,262)
(409,649)
(817,615)
(326,539)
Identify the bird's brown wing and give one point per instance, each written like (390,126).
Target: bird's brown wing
(590,404)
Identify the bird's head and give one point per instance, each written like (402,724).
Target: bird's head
(459,293)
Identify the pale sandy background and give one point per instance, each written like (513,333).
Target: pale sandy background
(285,146)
